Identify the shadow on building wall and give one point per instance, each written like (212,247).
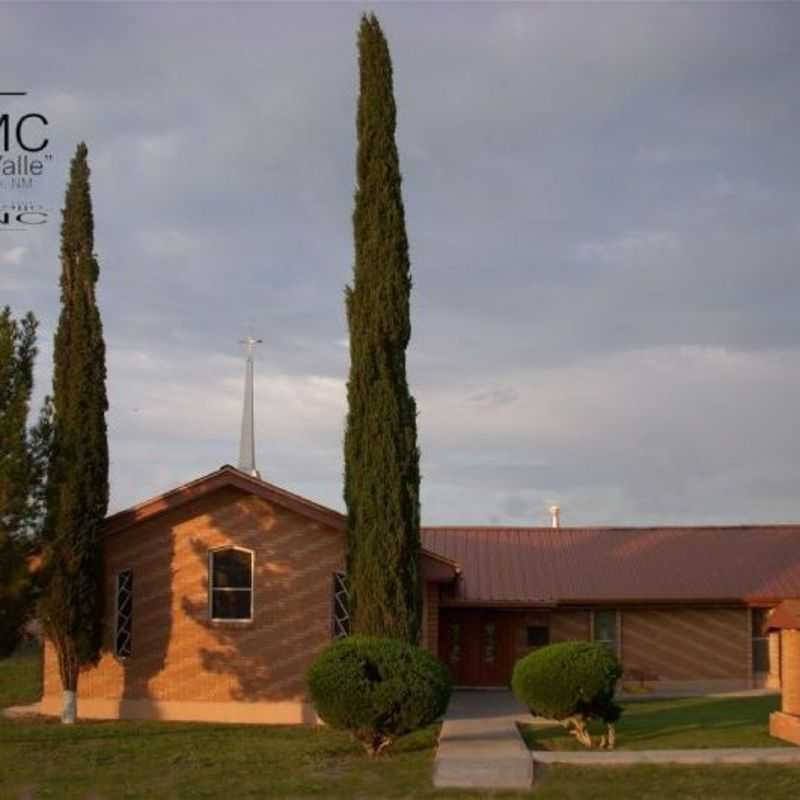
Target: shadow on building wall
(149,552)
(265,658)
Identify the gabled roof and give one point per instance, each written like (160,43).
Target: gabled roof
(225,476)
(786,615)
(435,567)
(546,566)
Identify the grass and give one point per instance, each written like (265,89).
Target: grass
(93,760)
(21,677)
(669,783)
(699,722)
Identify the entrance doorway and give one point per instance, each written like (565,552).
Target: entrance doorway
(478,645)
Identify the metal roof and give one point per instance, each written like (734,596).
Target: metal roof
(617,565)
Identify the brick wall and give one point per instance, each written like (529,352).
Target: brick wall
(688,644)
(181,660)
(566,625)
(521,623)
(430,618)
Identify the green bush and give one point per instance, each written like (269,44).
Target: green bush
(571,682)
(378,688)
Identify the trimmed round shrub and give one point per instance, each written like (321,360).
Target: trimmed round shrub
(378,688)
(570,682)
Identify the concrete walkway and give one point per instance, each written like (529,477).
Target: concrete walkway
(616,758)
(628,697)
(17,712)
(480,745)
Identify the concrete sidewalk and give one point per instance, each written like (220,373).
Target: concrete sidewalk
(18,712)
(618,758)
(480,745)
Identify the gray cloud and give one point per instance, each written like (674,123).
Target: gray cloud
(602,209)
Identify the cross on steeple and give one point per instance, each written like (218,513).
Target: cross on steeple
(247,444)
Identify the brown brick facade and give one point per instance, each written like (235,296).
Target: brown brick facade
(430,618)
(568,625)
(185,666)
(711,646)
(790,668)
(524,619)
(182,664)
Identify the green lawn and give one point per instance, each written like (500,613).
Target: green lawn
(674,724)
(94,760)
(21,677)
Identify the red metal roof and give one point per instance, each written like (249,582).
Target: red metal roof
(595,565)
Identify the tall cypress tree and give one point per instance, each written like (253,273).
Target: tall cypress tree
(381,455)
(77,490)
(17,474)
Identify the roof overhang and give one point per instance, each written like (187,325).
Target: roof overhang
(786,616)
(438,569)
(226,476)
(515,605)
(651,601)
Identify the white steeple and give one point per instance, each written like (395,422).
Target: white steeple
(247,445)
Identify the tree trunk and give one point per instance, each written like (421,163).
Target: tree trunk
(68,670)
(576,726)
(611,738)
(69,711)
(377,745)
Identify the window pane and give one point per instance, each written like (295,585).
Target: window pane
(123,643)
(490,643)
(455,643)
(341,605)
(230,605)
(538,635)
(759,620)
(760,655)
(231,568)
(605,626)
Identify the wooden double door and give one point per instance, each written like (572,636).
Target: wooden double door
(478,645)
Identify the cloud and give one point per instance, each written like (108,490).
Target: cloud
(638,248)
(14,255)
(603,238)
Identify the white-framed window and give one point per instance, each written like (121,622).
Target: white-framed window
(605,628)
(123,617)
(230,584)
(340,623)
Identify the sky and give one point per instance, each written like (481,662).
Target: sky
(602,204)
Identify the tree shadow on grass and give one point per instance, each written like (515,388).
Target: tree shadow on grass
(692,723)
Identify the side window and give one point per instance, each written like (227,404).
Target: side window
(123,624)
(489,643)
(760,640)
(230,583)
(455,643)
(604,628)
(340,623)
(538,635)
